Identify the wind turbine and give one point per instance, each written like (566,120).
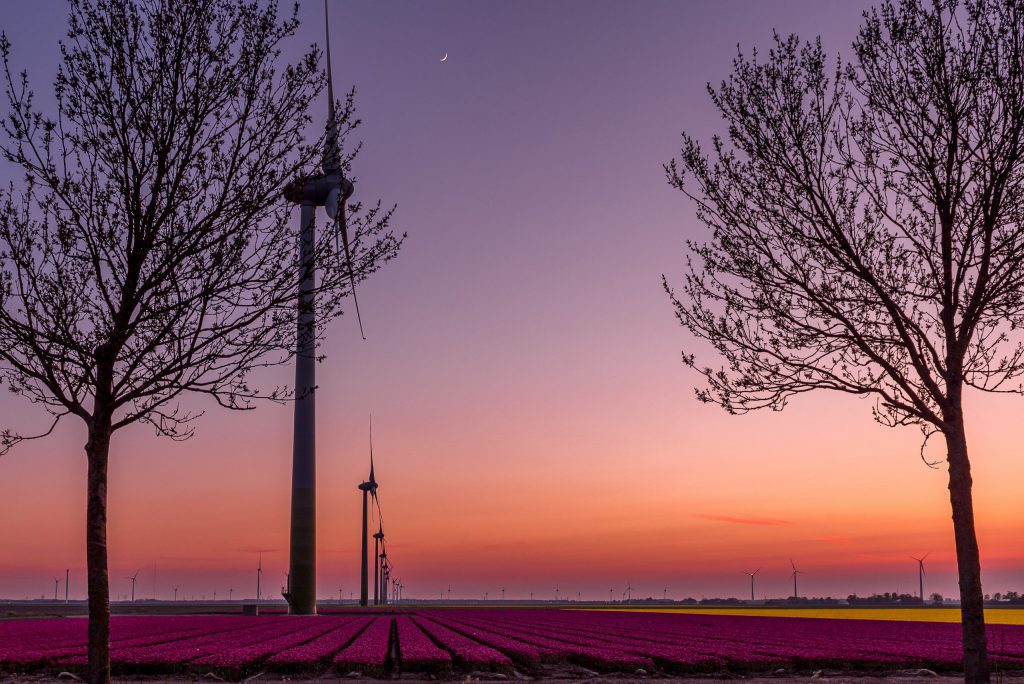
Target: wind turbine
(378,539)
(259,576)
(385,571)
(133,578)
(795,573)
(67,581)
(175,594)
(629,591)
(920,574)
(330,190)
(368,487)
(752,582)
(56,585)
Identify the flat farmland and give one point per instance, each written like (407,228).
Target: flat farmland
(456,642)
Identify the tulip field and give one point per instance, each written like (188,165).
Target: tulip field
(453,642)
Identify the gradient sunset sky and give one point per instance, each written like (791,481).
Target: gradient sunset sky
(534,426)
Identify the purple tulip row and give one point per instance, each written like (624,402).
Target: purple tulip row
(314,653)
(432,640)
(551,645)
(370,652)
(418,652)
(612,640)
(469,653)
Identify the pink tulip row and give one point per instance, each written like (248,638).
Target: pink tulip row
(238,658)
(313,654)
(472,639)
(370,652)
(596,653)
(680,642)
(467,652)
(418,652)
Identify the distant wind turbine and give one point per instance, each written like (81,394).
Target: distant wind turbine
(56,585)
(175,594)
(133,578)
(259,576)
(752,582)
(795,573)
(369,487)
(920,574)
(629,591)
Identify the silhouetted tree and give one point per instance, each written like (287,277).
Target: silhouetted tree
(866,231)
(149,252)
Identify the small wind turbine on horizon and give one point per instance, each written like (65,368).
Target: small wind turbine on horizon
(628,593)
(175,594)
(259,576)
(752,582)
(795,573)
(133,578)
(56,585)
(920,574)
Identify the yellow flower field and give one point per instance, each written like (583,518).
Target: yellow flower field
(993,616)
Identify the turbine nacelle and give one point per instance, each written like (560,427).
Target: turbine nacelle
(334,203)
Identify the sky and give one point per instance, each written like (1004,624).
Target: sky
(534,427)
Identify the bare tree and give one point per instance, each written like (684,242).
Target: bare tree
(149,252)
(866,232)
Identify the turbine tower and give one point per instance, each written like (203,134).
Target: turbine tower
(259,577)
(920,574)
(795,573)
(367,488)
(385,574)
(330,190)
(133,578)
(752,582)
(378,538)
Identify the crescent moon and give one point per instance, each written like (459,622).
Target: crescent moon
(445,58)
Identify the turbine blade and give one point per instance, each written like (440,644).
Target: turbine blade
(371,453)
(348,259)
(331,159)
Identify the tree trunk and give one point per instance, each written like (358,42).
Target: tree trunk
(97,450)
(972,607)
